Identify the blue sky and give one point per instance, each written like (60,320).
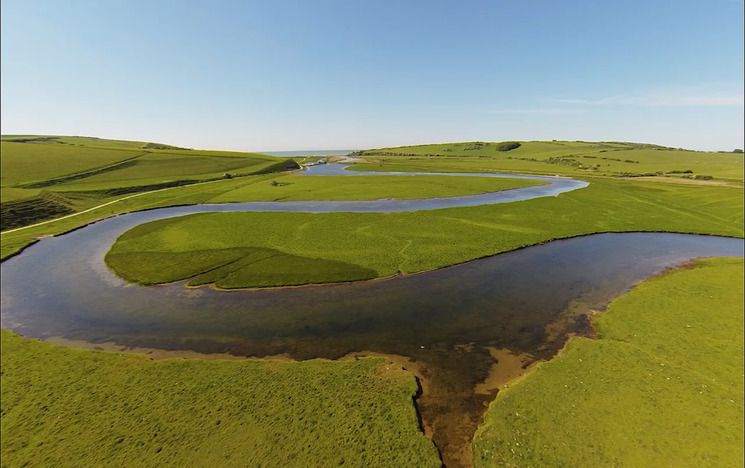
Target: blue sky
(283,75)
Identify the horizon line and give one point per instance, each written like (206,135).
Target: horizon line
(361,148)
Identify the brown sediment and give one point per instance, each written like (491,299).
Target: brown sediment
(508,366)
(451,413)
(573,320)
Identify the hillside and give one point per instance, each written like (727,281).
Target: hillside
(45,177)
(614,159)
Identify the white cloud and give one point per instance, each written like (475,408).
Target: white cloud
(534,111)
(593,102)
(669,98)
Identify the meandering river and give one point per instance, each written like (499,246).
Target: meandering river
(467,326)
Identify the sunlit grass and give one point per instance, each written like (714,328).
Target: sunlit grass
(76,407)
(660,386)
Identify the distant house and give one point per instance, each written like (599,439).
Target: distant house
(315,163)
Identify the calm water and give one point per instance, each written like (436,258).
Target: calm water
(527,301)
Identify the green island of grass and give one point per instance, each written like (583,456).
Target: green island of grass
(78,407)
(296,248)
(661,385)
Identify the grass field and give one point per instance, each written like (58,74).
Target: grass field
(76,407)
(93,164)
(84,141)
(562,157)
(48,177)
(362,245)
(662,384)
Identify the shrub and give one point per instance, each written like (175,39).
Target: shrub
(507,145)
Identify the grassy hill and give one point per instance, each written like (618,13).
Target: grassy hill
(565,157)
(44,177)
(75,140)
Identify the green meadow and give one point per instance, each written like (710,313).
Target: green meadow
(661,385)
(48,177)
(295,248)
(78,407)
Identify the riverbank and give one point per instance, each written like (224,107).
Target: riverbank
(661,384)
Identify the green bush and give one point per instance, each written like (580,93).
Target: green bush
(507,145)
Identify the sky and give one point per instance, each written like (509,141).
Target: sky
(323,74)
